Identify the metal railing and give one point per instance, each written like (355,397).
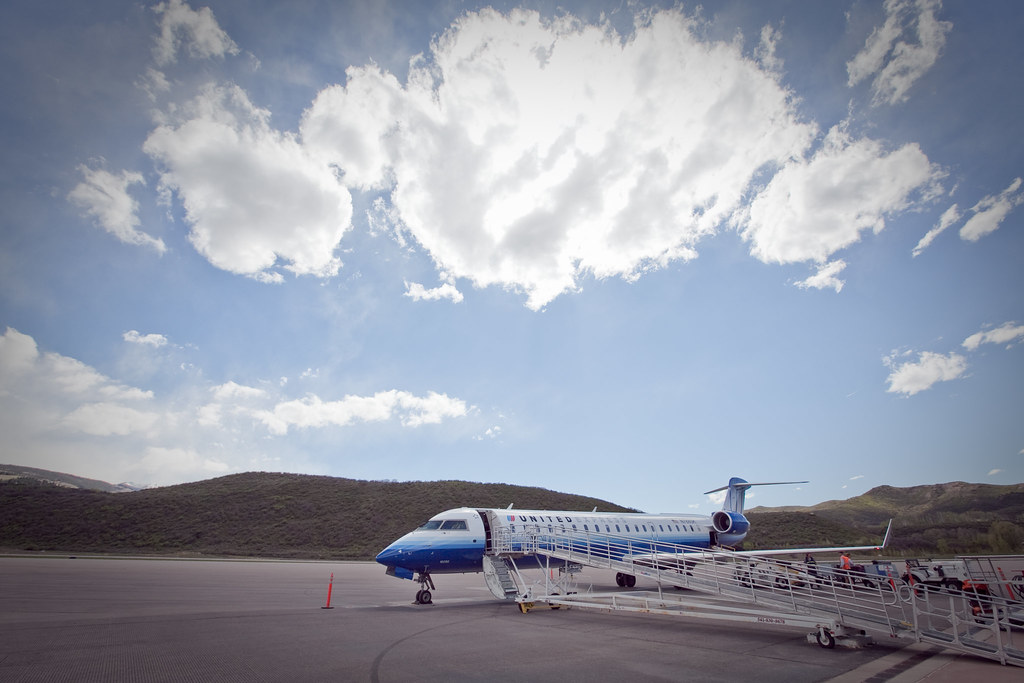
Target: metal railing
(968,621)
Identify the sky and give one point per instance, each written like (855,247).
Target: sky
(617,249)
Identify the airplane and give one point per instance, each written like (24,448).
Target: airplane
(455,541)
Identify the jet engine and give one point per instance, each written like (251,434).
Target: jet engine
(726,522)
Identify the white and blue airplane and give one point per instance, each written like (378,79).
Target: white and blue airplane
(455,541)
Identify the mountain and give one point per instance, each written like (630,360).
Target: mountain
(944,519)
(252,514)
(9,472)
(260,514)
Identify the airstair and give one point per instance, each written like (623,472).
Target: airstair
(719,584)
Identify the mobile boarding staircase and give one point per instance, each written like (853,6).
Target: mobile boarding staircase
(838,606)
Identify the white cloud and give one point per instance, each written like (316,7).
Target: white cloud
(949,216)
(765,51)
(889,56)
(252,195)
(990,212)
(194,31)
(105,419)
(412,411)
(994,472)
(530,154)
(174,464)
(154,340)
(233,390)
(826,277)
(856,477)
(1007,333)
(104,196)
(418,292)
(231,398)
(814,207)
(47,398)
(717,498)
(26,370)
(912,377)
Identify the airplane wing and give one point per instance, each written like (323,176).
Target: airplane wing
(812,551)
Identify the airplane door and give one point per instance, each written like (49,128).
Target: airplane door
(487,529)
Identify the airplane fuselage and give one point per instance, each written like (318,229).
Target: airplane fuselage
(455,541)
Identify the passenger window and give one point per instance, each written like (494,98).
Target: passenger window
(627,528)
(586,528)
(661,527)
(617,528)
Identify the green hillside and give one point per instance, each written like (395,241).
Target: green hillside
(252,514)
(937,519)
(310,517)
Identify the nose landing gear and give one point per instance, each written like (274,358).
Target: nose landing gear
(423,596)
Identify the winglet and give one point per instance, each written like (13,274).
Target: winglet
(888,530)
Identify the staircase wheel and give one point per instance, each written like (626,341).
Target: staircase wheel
(620,580)
(826,639)
(630,580)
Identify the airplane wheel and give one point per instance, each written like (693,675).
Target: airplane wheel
(419,597)
(826,639)
(424,597)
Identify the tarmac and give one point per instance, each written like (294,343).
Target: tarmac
(119,619)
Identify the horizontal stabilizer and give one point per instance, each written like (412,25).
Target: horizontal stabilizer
(759,483)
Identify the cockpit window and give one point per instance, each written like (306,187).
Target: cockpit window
(454,525)
(432,524)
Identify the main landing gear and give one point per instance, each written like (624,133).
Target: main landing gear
(624,580)
(426,585)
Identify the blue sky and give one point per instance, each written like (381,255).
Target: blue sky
(614,249)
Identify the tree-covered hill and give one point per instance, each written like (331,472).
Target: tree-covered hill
(301,516)
(252,514)
(937,519)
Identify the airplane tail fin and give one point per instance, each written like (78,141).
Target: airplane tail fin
(736,494)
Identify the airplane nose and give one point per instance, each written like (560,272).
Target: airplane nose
(389,556)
